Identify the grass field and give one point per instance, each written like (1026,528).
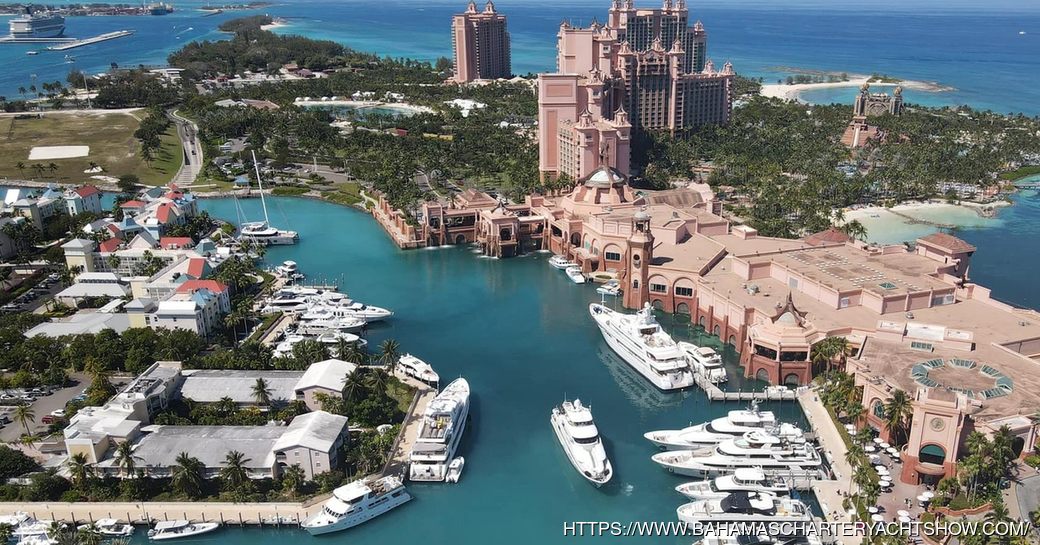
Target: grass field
(109,135)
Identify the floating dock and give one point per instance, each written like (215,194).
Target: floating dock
(88,41)
(717,394)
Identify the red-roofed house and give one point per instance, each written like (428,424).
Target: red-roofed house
(82,200)
(164,212)
(832,235)
(191,286)
(132,207)
(948,249)
(198,267)
(110,245)
(175,243)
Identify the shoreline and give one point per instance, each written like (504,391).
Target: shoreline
(277,23)
(795,90)
(360,104)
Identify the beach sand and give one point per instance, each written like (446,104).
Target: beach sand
(897,224)
(794,91)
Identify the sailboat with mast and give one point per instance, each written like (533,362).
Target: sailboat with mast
(261,231)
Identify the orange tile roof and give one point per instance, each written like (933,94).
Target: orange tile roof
(948,242)
(191,286)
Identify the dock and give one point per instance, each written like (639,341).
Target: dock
(13,40)
(146,513)
(397,462)
(88,41)
(717,394)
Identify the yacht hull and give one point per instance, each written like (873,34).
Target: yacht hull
(557,427)
(353,520)
(632,358)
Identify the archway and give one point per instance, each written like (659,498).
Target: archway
(716,330)
(701,321)
(658,305)
(877,408)
(932,454)
(460,239)
(732,340)
(791,380)
(575,239)
(762,375)
(682,308)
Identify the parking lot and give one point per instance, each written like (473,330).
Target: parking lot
(42,406)
(35,299)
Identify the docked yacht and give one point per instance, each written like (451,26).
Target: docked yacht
(289,270)
(734,424)
(562,263)
(417,369)
(574,273)
(357,502)
(331,339)
(440,432)
(30,527)
(581,441)
(610,287)
(455,470)
(175,529)
(745,507)
(345,306)
(318,320)
(772,455)
(109,528)
(641,342)
(810,539)
(262,232)
(745,479)
(705,361)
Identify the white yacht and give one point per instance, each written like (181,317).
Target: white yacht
(772,456)
(610,287)
(440,433)
(417,369)
(261,231)
(734,424)
(345,306)
(574,273)
(455,470)
(110,528)
(581,441)
(705,362)
(329,338)
(318,320)
(30,527)
(15,519)
(744,507)
(562,263)
(289,269)
(811,539)
(641,342)
(357,502)
(745,479)
(175,529)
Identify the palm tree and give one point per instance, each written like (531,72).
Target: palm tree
(898,410)
(292,480)
(79,469)
(24,415)
(262,392)
(225,406)
(125,458)
(20,165)
(89,535)
(377,379)
(389,353)
(234,471)
(187,475)
(352,385)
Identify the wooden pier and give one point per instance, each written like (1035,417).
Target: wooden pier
(717,394)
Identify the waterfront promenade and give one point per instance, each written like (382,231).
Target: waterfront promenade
(829,492)
(397,462)
(285,513)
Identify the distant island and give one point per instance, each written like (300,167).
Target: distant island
(234,7)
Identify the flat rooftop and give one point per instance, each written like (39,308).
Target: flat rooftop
(211,385)
(210,444)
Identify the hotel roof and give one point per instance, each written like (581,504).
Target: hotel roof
(210,444)
(210,385)
(328,374)
(318,431)
(82,322)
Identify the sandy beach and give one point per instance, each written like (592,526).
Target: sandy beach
(277,23)
(794,91)
(909,221)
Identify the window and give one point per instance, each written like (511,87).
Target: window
(792,283)
(612,256)
(918,345)
(684,292)
(658,288)
(843,302)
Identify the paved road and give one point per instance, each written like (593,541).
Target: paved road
(189,135)
(45,405)
(1028,491)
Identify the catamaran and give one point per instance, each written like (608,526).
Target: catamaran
(641,342)
(440,433)
(357,502)
(261,231)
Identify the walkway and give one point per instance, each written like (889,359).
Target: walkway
(398,460)
(829,493)
(718,394)
(143,512)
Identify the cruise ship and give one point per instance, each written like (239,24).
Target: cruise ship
(357,502)
(735,424)
(580,439)
(641,342)
(440,433)
(772,455)
(745,507)
(742,480)
(38,25)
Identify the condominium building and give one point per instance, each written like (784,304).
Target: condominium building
(645,69)
(480,42)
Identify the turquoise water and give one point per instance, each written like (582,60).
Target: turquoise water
(519,331)
(973,46)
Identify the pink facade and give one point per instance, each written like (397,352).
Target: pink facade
(645,69)
(480,42)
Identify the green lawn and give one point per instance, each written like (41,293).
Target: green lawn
(1019,173)
(110,137)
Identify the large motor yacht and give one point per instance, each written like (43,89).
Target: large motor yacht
(744,507)
(440,433)
(581,441)
(357,502)
(734,424)
(641,342)
(773,455)
(417,369)
(705,362)
(745,479)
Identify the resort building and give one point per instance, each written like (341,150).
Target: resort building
(645,69)
(480,43)
(214,385)
(313,441)
(197,305)
(84,199)
(860,133)
(324,377)
(94,285)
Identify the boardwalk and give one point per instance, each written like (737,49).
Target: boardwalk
(145,512)
(398,461)
(717,394)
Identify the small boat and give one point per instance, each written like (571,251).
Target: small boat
(580,439)
(32,52)
(357,502)
(610,287)
(574,273)
(560,262)
(417,369)
(175,529)
(109,528)
(455,470)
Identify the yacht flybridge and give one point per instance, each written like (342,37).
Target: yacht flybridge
(705,361)
(744,507)
(440,432)
(580,439)
(641,342)
(261,231)
(734,424)
(357,502)
(745,479)
(770,454)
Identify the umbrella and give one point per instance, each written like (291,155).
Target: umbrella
(903,513)
(878,440)
(869,448)
(928,494)
(904,520)
(884,445)
(877,518)
(873,509)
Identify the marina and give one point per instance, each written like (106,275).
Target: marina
(64,46)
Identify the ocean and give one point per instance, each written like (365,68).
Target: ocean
(986,51)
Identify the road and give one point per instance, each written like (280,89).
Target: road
(188,132)
(44,406)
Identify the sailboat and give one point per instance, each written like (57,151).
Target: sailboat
(261,231)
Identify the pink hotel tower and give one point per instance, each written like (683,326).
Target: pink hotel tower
(480,42)
(643,69)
